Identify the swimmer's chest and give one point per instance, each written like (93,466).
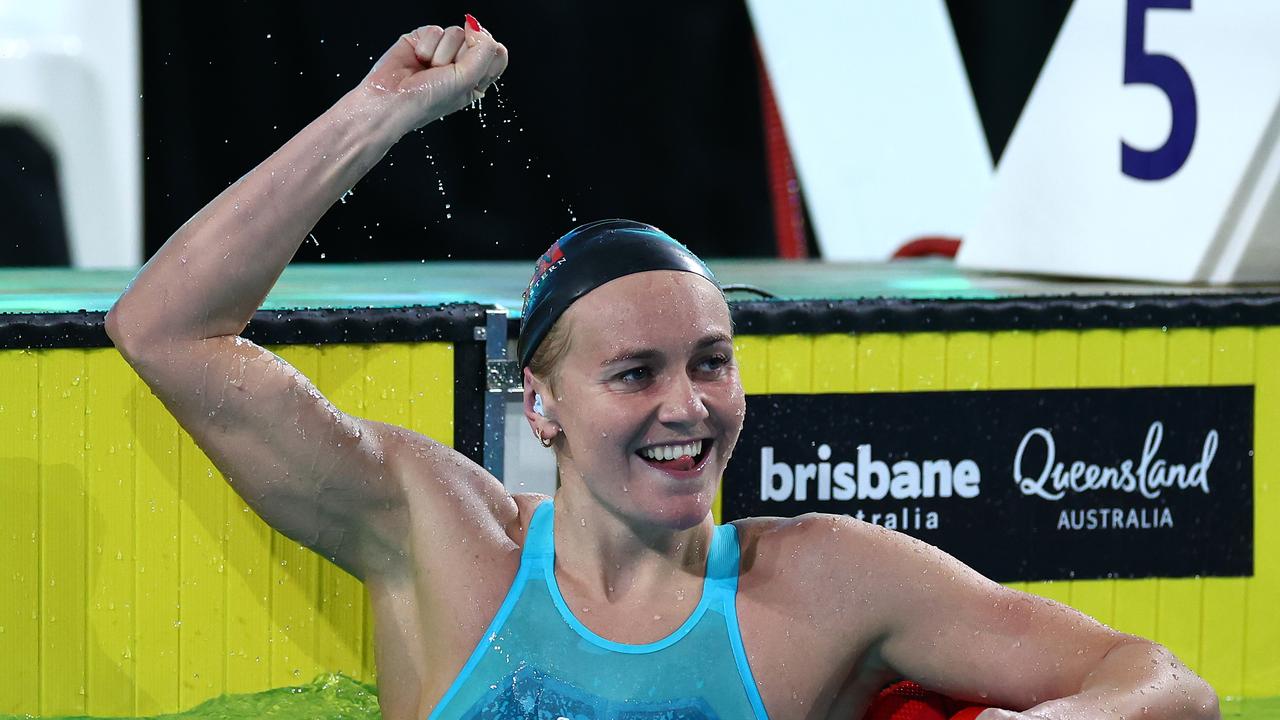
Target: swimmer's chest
(799,664)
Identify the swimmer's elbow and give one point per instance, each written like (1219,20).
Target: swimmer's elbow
(129,333)
(1207,700)
(1191,691)
(1185,694)
(117,332)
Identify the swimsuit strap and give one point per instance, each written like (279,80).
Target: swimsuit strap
(539,541)
(722,563)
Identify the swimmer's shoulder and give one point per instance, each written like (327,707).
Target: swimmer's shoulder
(811,530)
(836,559)
(804,547)
(462,490)
(827,577)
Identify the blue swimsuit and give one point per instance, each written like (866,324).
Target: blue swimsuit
(537,660)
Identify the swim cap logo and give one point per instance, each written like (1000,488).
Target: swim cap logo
(552,256)
(549,261)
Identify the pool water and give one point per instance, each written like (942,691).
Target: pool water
(338,697)
(1252,709)
(328,697)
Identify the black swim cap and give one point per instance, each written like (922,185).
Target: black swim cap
(587,257)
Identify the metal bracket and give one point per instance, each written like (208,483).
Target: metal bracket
(501,377)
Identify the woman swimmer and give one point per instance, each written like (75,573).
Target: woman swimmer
(644,609)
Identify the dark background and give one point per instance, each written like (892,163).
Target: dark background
(1002,533)
(650,111)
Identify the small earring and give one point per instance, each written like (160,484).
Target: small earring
(546,442)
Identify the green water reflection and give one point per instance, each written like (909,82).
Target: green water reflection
(328,697)
(338,697)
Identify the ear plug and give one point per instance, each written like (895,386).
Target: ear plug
(537,404)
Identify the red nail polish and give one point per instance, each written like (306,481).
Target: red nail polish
(473,23)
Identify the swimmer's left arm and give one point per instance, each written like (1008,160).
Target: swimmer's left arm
(1135,678)
(945,626)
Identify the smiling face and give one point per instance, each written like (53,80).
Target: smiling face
(650,367)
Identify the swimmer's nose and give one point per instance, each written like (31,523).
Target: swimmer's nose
(682,402)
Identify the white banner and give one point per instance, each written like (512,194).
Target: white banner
(1148,149)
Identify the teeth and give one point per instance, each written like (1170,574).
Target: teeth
(671,452)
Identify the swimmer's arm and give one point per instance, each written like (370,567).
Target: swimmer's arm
(1138,679)
(215,271)
(311,471)
(954,631)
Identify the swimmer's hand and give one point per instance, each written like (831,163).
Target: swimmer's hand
(434,71)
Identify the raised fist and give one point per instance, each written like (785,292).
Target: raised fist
(434,71)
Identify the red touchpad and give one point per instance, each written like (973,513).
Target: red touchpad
(907,701)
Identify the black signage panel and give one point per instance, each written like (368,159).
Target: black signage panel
(1018,484)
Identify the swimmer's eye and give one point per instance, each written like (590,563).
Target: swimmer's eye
(715,362)
(634,375)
